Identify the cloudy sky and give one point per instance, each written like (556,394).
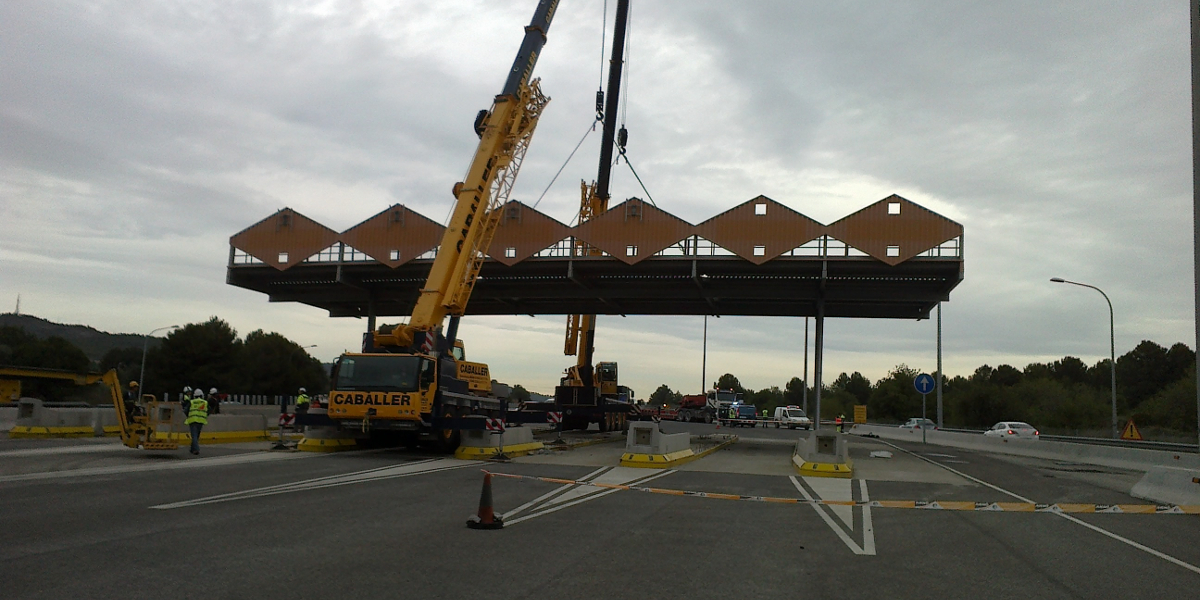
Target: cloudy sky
(136,136)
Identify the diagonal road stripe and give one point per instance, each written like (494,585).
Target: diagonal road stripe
(420,467)
(195,463)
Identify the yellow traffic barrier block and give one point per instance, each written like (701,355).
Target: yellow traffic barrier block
(664,461)
(25,431)
(824,469)
(216,437)
(326,444)
(480,452)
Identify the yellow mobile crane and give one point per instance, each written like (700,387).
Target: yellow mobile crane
(586,394)
(413,378)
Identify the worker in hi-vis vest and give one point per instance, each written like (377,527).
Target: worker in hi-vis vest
(197,417)
(302,402)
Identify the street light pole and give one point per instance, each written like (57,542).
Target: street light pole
(1112,341)
(145,345)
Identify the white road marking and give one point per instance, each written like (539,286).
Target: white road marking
(939,455)
(827,488)
(552,493)
(1148,550)
(88,449)
(419,467)
(560,503)
(868,527)
(868,547)
(195,463)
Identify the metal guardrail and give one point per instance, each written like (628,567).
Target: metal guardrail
(1078,439)
(1143,444)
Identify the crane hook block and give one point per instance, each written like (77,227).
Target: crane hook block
(599,105)
(622,139)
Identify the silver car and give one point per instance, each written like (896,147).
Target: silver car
(917,424)
(1013,429)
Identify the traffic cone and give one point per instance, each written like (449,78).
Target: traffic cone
(486,519)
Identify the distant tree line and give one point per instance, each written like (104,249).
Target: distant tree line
(1156,386)
(208,354)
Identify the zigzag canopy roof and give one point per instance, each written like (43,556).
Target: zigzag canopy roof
(891,230)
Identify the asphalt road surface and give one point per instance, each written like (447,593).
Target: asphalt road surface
(91,519)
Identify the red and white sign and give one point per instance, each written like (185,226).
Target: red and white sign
(495,425)
(554,417)
(427,345)
(285,419)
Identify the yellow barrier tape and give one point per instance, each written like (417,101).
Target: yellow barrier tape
(1024,507)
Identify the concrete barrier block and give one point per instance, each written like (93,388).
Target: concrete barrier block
(224,422)
(28,410)
(1166,485)
(8,417)
(823,453)
(1135,459)
(644,437)
(479,443)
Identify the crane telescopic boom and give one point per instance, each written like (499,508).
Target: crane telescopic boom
(505,132)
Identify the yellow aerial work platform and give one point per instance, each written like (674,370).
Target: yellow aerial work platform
(137,430)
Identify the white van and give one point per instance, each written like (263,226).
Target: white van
(793,417)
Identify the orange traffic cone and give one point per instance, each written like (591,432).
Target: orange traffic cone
(486,519)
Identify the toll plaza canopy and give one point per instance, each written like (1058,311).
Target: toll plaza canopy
(892,259)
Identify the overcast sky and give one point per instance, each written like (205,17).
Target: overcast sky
(136,136)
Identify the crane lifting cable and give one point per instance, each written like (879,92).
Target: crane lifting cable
(590,129)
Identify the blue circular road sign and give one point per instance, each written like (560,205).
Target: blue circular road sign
(924,383)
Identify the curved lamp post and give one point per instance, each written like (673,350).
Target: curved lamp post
(1112,335)
(145,342)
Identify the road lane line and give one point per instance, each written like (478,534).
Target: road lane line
(841,533)
(829,488)
(1124,540)
(88,449)
(868,528)
(195,463)
(587,498)
(421,467)
(552,493)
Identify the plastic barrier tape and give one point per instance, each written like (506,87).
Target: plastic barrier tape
(1023,507)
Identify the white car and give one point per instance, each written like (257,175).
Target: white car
(916,424)
(792,416)
(1013,429)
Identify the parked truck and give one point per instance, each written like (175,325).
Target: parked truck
(707,408)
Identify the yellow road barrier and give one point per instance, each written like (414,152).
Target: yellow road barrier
(1021,507)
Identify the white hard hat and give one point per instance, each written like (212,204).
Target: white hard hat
(197,392)
(212,390)
(187,388)
(302,390)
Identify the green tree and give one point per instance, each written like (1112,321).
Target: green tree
(894,397)
(766,399)
(519,393)
(127,362)
(21,349)
(664,395)
(203,354)
(855,385)
(1070,370)
(793,392)
(729,382)
(1174,407)
(269,363)
(1143,372)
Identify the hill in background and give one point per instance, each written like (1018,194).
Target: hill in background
(94,343)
